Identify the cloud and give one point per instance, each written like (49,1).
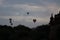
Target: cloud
(28,7)
(25,18)
(38,9)
(34,8)
(2,2)
(53,8)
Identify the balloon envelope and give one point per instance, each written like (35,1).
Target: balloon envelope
(27,13)
(34,20)
(10,19)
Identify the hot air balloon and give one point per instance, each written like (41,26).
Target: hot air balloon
(27,13)
(34,20)
(10,21)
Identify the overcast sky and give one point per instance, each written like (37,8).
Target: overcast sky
(17,10)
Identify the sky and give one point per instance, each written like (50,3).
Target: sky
(17,10)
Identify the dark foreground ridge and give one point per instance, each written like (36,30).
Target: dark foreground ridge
(22,32)
(50,31)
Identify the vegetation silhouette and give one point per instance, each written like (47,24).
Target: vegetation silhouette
(49,31)
(22,32)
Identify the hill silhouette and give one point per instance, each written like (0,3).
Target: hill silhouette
(50,31)
(22,32)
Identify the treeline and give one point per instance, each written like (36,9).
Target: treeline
(22,32)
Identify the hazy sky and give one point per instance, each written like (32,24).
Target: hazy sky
(17,10)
